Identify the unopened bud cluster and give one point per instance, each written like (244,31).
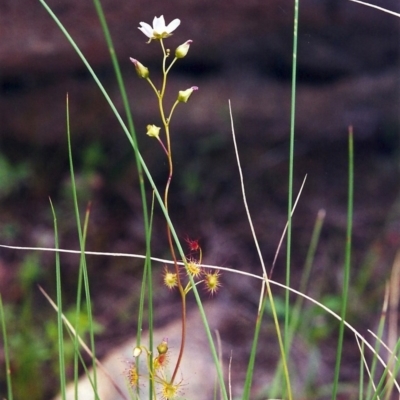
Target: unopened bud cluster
(159,31)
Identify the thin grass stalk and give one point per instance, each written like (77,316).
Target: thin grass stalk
(221,363)
(60,326)
(141,302)
(362,362)
(213,349)
(84,281)
(290,183)
(250,368)
(85,368)
(366,367)
(391,303)
(6,352)
(89,299)
(385,384)
(72,332)
(80,274)
(251,362)
(230,378)
(377,347)
(285,229)
(393,335)
(78,306)
(281,342)
(121,86)
(147,283)
(276,383)
(347,264)
(149,177)
(125,101)
(82,270)
(377,7)
(396,367)
(315,236)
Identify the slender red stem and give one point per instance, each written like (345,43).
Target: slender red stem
(168,149)
(172,249)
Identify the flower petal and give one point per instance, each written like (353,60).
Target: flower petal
(146,29)
(173,25)
(159,24)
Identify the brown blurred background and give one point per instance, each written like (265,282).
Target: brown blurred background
(348,73)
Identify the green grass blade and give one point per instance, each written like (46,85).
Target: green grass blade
(6,352)
(346,276)
(396,368)
(148,267)
(147,224)
(147,283)
(381,326)
(290,183)
(88,298)
(385,385)
(118,75)
(82,362)
(266,281)
(250,368)
(75,338)
(361,385)
(83,274)
(127,109)
(80,273)
(252,359)
(296,313)
(60,326)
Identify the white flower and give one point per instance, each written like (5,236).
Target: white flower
(159,30)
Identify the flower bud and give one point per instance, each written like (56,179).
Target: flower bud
(183,95)
(183,49)
(162,348)
(137,351)
(153,131)
(141,70)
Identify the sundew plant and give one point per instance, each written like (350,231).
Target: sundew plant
(191,264)
(153,372)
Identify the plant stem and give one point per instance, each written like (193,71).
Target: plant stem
(346,272)
(171,245)
(166,194)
